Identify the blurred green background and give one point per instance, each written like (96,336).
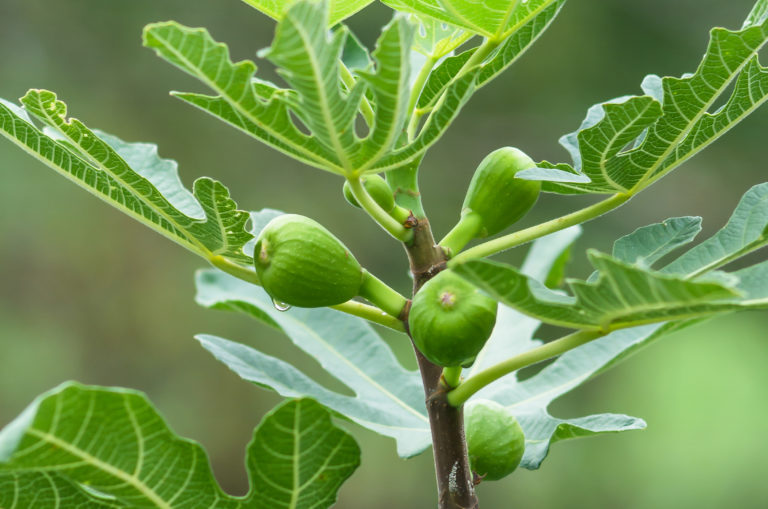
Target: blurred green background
(90,295)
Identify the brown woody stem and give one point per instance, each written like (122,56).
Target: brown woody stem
(454,478)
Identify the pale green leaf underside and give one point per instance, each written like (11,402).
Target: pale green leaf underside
(529,400)
(99,447)
(345,346)
(746,231)
(646,245)
(129,176)
(626,144)
(388,398)
(339,9)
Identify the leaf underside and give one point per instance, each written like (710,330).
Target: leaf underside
(393,403)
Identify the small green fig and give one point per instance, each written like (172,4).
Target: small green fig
(450,320)
(495,440)
(496,195)
(300,263)
(377,187)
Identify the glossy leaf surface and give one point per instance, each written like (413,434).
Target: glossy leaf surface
(80,446)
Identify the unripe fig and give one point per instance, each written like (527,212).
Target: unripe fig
(496,196)
(377,187)
(495,440)
(300,263)
(450,320)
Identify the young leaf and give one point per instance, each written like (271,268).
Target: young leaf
(673,122)
(436,39)
(130,177)
(442,76)
(508,52)
(258,111)
(388,399)
(390,87)
(526,31)
(494,19)
(440,118)
(110,448)
(339,9)
(310,63)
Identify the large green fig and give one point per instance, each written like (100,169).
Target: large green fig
(450,320)
(496,195)
(300,263)
(495,199)
(495,440)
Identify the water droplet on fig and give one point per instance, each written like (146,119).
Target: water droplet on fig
(280,306)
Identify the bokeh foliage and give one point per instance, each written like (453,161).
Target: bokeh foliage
(73,303)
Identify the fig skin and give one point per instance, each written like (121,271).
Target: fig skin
(300,263)
(496,195)
(495,440)
(450,320)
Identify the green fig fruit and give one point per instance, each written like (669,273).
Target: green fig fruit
(300,263)
(495,440)
(496,196)
(450,320)
(379,190)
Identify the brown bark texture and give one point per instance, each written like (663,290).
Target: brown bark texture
(454,478)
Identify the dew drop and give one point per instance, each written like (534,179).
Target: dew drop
(280,306)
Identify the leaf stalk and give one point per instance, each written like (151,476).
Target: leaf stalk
(470,386)
(378,214)
(515,239)
(351,307)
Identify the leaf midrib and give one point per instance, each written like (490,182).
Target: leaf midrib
(649,176)
(357,370)
(321,91)
(129,479)
(236,104)
(199,247)
(184,242)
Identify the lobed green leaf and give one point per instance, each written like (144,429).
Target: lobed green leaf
(130,177)
(84,447)
(256,108)
(628,143)
(623,295)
